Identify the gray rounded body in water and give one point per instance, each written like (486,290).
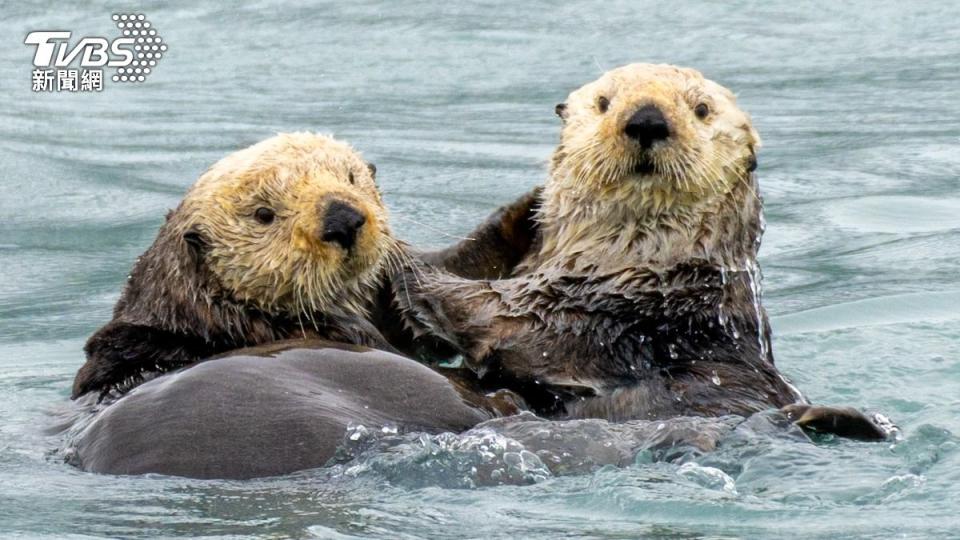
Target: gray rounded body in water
(271,410)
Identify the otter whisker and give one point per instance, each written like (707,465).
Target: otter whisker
(408,262)
(300,309)
(689,164)
(403,280)
(725,164)
(434,229)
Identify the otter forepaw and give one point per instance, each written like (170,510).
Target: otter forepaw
(844,422)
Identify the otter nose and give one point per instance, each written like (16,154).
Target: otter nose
(647,126)
(341,224)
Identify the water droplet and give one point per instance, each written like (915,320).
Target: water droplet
(357,432)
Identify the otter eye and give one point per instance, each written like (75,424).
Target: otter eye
(264,215)
(701,110)
(603,104)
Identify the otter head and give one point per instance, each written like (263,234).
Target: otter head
(645,148)
(292,225)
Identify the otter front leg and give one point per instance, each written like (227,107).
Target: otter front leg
(844,422)
(495,247)
(459,311)
(497,326)
(119,355)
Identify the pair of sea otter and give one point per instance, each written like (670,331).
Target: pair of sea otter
(627,288)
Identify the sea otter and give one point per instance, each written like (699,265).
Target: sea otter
(285,239)
(640,298)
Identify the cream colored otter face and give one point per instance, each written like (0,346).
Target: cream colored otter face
(293,224)
(656,134)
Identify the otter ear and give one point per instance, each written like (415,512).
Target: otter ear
(753,144)
(561,110)
(753,138)
(373,169)
(195,241)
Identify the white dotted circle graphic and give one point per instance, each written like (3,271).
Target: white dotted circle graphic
(148,46)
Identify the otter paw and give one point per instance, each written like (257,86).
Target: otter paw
(844,422)
(507,402)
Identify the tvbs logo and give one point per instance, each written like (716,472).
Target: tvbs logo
(134,55)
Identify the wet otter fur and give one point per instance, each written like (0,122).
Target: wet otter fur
(640,297)
(284,239)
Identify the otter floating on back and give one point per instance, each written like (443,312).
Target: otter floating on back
(641,295)
(285,239)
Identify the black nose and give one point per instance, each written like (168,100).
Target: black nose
(341,224)
(647,126)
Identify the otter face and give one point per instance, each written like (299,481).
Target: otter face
(663,132)
(294,224)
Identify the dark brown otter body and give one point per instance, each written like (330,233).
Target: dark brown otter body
(688,340)
(168,317)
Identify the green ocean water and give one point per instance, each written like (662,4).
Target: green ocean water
(859,109)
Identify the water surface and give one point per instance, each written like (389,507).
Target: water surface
(858,107)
